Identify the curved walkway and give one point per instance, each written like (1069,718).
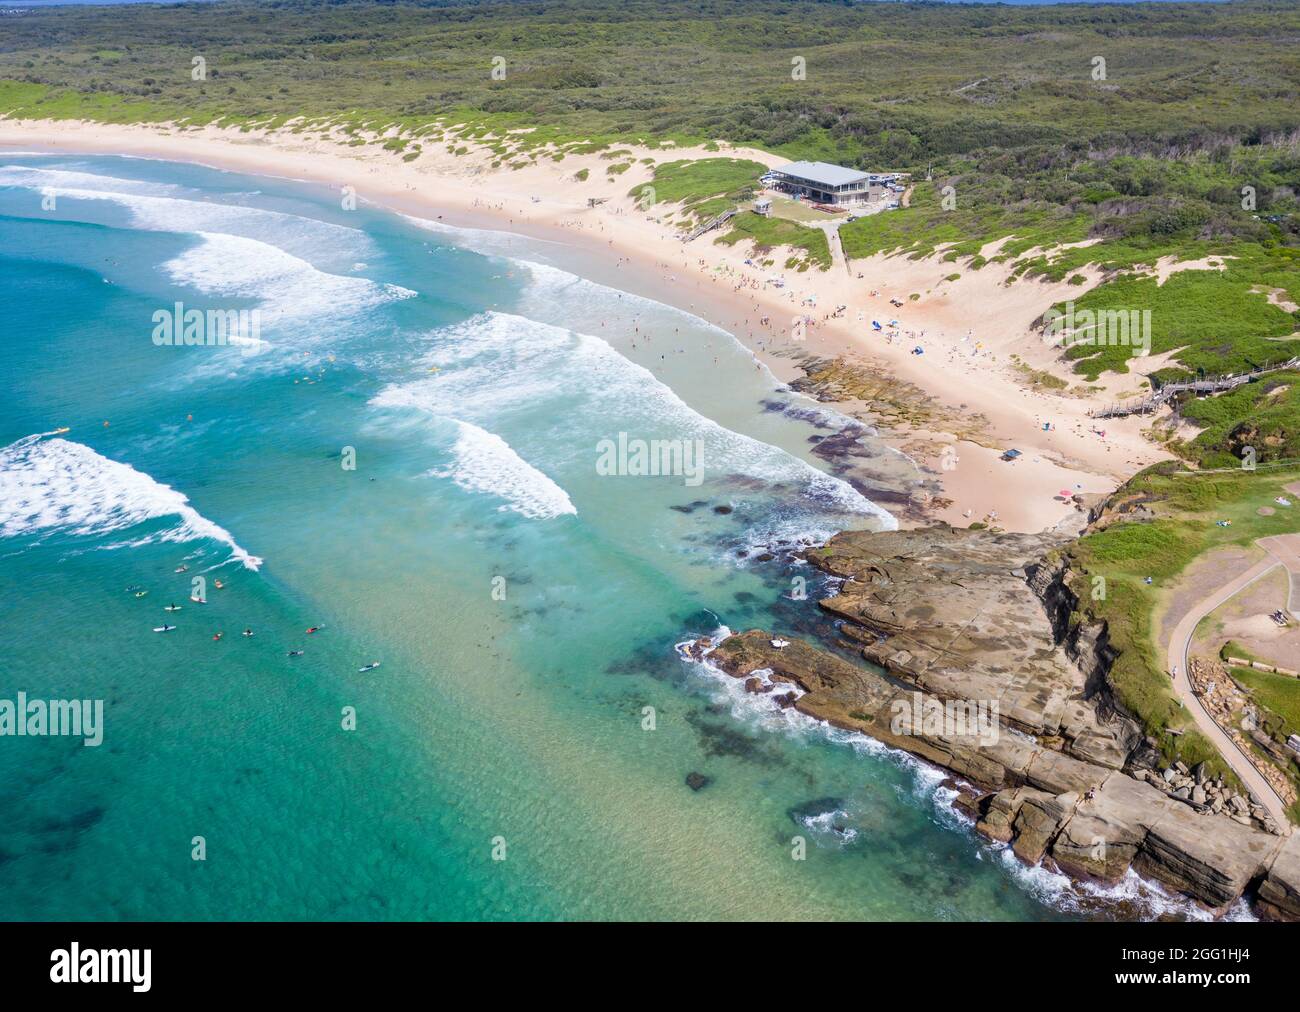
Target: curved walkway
(1282,550)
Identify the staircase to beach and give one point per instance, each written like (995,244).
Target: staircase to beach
(711,224)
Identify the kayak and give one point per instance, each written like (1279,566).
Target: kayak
(369,667)
(172,607)
(164,628)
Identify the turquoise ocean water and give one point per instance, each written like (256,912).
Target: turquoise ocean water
(524,606)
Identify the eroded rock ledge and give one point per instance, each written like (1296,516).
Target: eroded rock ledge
(957,616)
(964,614)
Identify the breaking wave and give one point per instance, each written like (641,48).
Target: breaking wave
(286,286)
(52,485)
(484,462)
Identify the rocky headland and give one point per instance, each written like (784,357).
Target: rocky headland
(973,623)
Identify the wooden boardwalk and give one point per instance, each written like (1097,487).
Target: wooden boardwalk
(1200,387)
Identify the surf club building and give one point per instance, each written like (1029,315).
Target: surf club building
(821,182)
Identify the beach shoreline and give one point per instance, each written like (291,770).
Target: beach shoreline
(952,410)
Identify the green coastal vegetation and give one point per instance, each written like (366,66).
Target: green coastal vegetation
(1276,698)
(1262,415)
(811,246)
(1048,140)
(1122,218)
(885,85)
(700,188)
(1186,508)
(1278,694)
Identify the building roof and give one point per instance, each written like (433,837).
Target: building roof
(822,173)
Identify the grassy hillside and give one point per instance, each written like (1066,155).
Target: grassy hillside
(810,244)
(1263,415)
(1129,552)
(703,188)
(1125,213)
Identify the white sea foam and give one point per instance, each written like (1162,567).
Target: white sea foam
(1149,898)
(52,485)
(552,292)
(831,826)
(490,242)
(547,281)
(158,211)
(928,786)
(286,286)
(555,289)
(36,178)
(485,463)
(242,251)
(555,354)
(496,365)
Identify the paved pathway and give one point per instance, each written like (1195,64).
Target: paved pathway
(1283,550)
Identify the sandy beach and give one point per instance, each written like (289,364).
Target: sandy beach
(974,392)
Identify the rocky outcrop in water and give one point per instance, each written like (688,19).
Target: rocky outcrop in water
(970,614)
(961,625)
